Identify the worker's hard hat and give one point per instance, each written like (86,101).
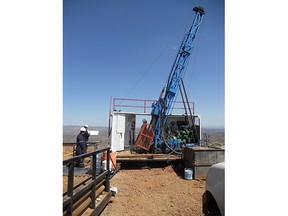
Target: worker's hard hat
(86,126)
(144,121)
(82,129)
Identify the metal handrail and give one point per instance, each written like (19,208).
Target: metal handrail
(70,197)
(69,160)
(145,104)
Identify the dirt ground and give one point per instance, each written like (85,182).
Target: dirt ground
(152,191)
(156,191)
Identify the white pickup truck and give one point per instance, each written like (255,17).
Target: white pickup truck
(214,195)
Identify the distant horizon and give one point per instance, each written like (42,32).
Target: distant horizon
(208,127)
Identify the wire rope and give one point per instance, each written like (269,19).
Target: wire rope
(195,53)
(156,59)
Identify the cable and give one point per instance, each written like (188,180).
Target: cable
(156,59)
(172,150)
(194,60)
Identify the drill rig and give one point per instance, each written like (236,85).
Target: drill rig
(165,133)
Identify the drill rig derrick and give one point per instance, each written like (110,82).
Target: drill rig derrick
(162,108)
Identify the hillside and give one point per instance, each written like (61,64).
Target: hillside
(217,135)
(70,134)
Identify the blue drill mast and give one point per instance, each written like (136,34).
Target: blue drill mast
(162,108)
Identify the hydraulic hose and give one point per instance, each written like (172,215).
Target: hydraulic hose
(174,151)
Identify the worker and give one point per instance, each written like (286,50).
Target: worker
(133,132)
(87,134)
(144,124)
(81,146)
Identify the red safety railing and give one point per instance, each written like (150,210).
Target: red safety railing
(124,104)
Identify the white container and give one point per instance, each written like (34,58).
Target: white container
(188,173)
(104,165)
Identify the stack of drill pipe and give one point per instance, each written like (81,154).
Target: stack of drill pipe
(85,201)
(82,204)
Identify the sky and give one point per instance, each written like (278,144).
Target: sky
(125,49)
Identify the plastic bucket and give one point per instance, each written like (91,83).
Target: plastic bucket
(104,165)
(188,173)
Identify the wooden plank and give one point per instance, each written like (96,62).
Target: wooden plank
(141,155)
